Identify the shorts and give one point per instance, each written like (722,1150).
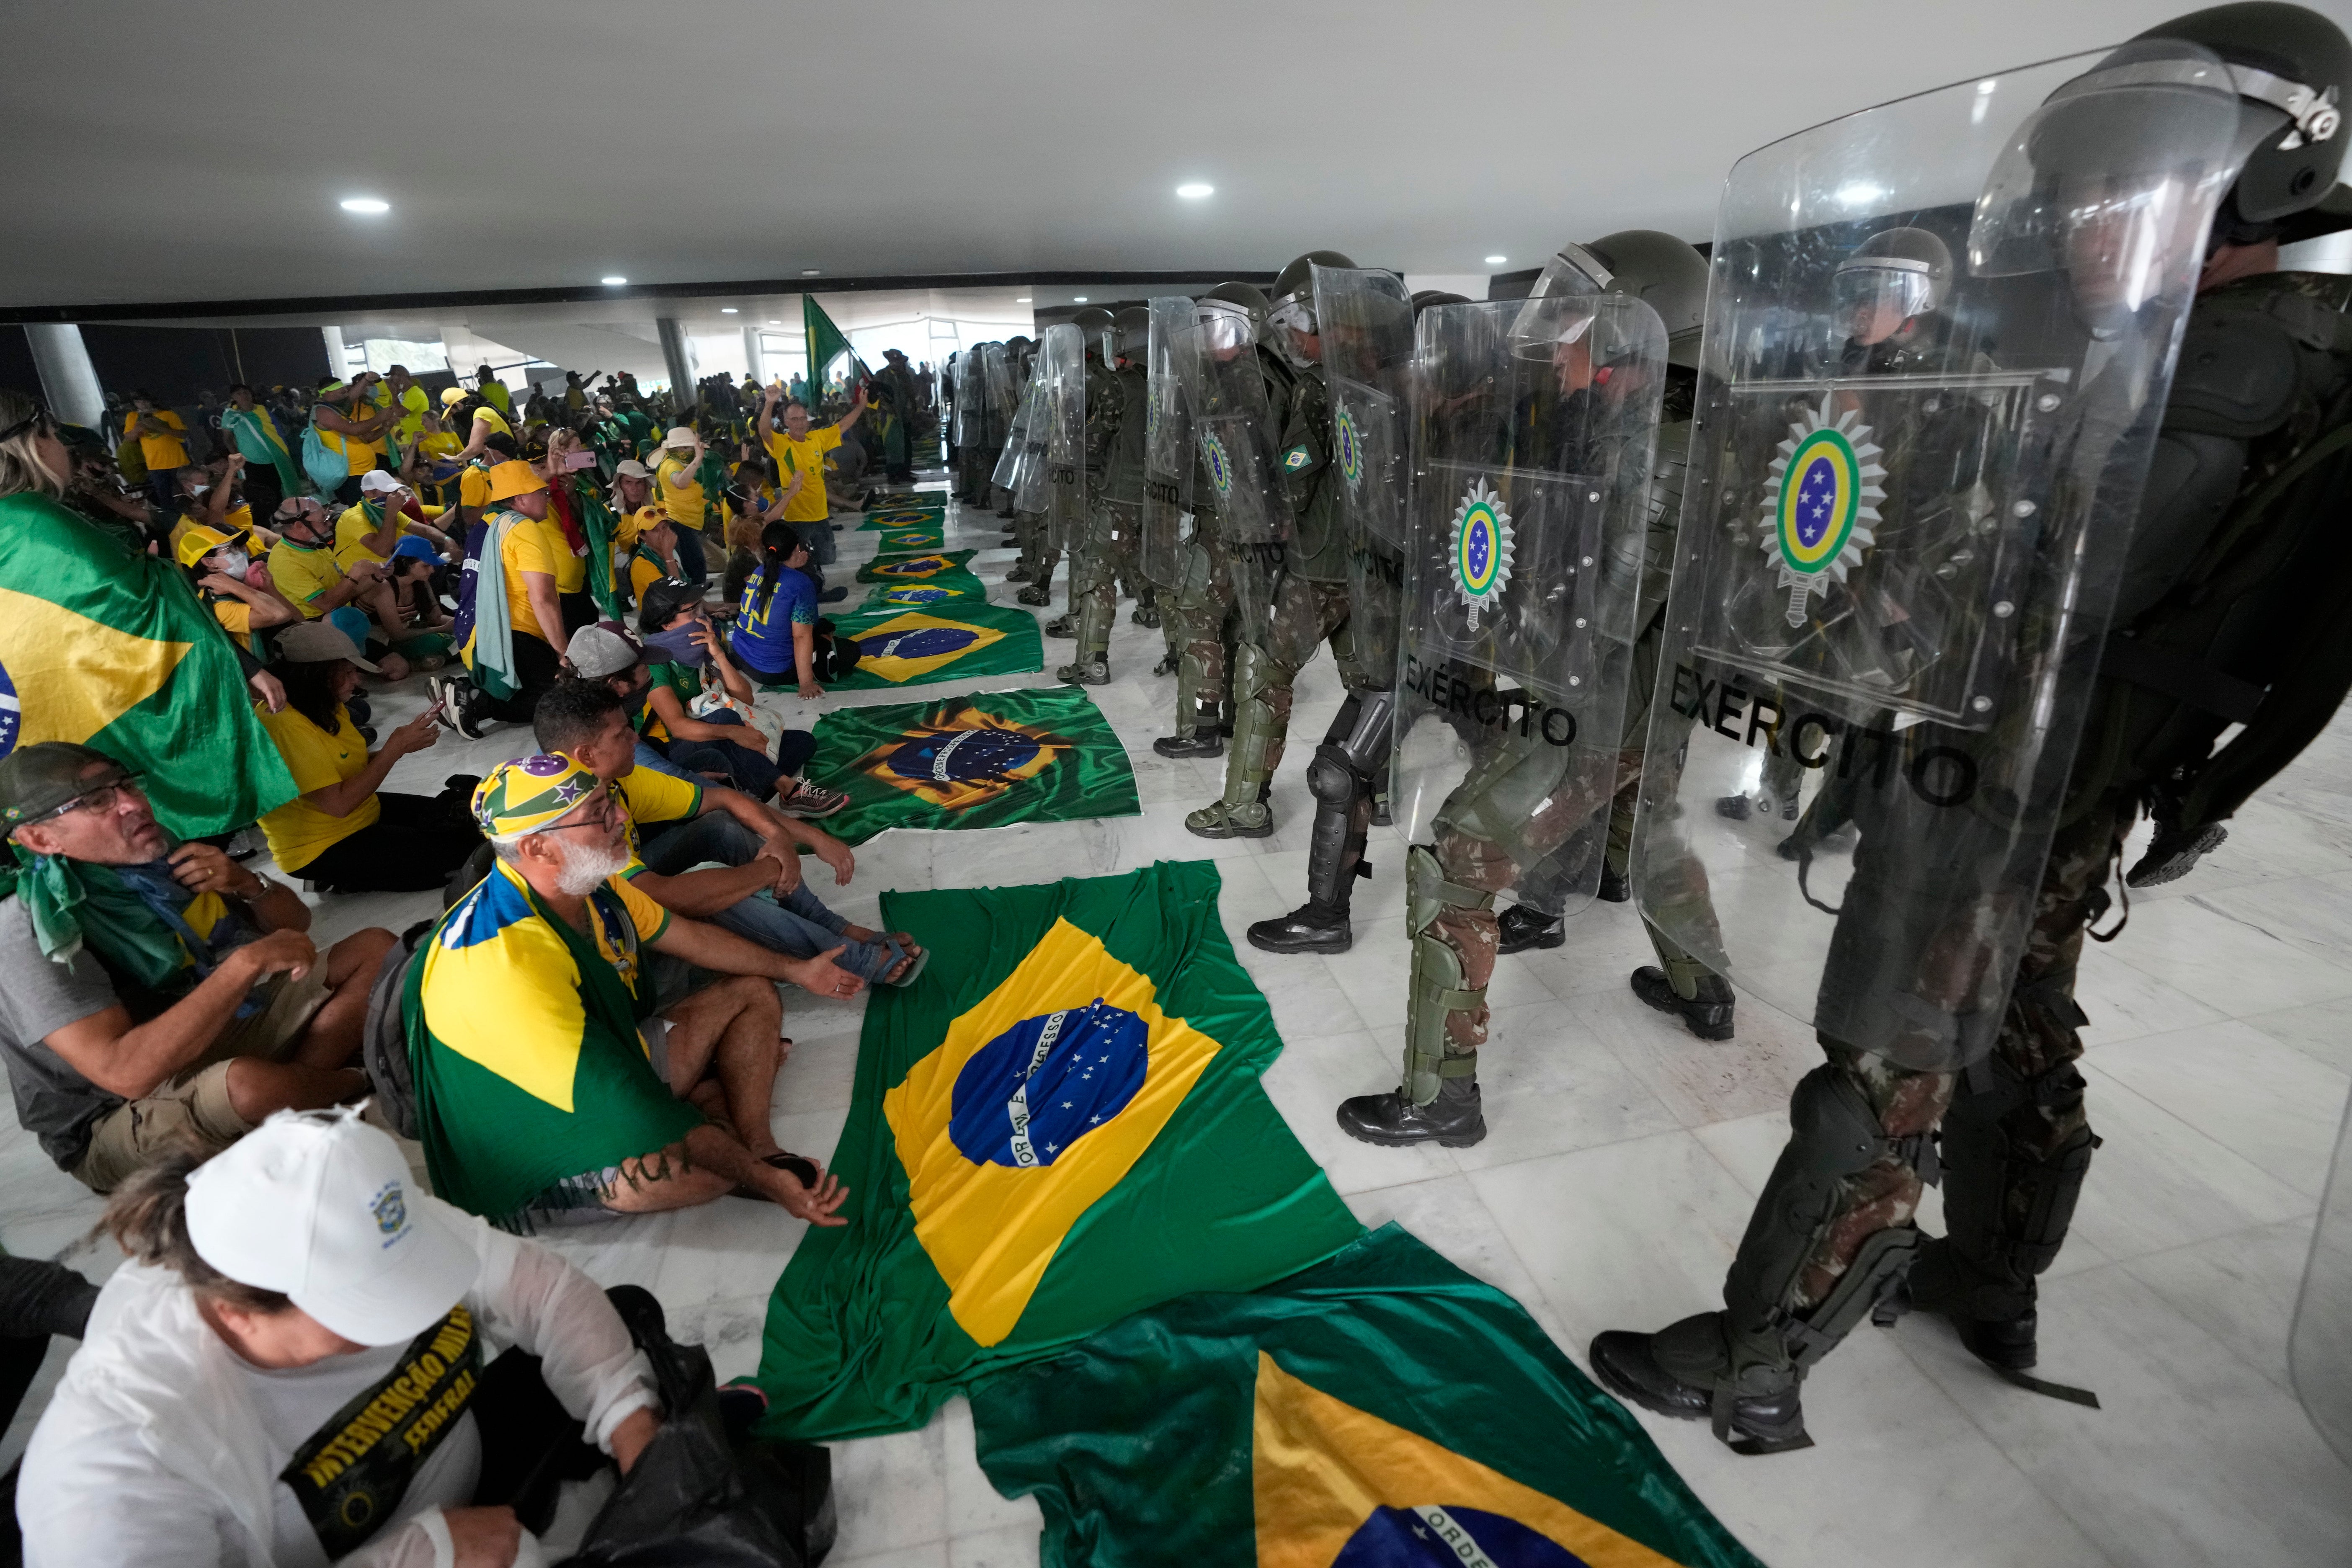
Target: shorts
(195,1101)
(575,1200)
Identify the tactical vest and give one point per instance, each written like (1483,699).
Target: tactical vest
(2237,589)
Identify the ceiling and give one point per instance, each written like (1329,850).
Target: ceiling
(198,152)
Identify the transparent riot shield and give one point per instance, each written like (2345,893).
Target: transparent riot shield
(1014,462)
(1365,317)
(1000,397)
(1531,443)
(968,398)
(1234,432)
(2319,1348)
(1168,449)
(1061,375)
(1030,489)
(1905,509)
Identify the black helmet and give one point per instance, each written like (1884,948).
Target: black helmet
(1906,269)
(1662,271)
(2291,67)
(1429,297)
(1130,330)
(1231,314)
(1293,289)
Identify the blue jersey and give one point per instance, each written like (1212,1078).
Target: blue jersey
(762,638)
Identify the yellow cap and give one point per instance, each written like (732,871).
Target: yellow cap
(513,478)
(199,542)
(452,395)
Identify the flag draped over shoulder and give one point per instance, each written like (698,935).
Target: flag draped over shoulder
(1059,1124)
(1380,1410)
(913,568)
(114,650)
(973,762)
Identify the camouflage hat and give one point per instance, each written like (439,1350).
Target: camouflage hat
(37,779)
(530,794)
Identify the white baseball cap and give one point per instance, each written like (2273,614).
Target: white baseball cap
(320,1207)
(380,481)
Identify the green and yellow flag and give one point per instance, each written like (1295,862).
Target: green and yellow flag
(114,650)
(1380,1410)
(1059,1124)
(913,568)
(913,537)
(948,587)
(830,357)
(911,512)
(984,760)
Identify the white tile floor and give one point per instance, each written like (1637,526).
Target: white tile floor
(1622,1160)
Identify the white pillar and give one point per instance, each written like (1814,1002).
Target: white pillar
(69,381)
(339,358)
(751,355)
(679,357)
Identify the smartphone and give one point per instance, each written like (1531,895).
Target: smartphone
(574,462)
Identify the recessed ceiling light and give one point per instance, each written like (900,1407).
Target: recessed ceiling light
(613,282)
(726,310)
(1023,300)
(1078,298)
(1194,192)
(776,320)
(1496,260)
(368,204)
(809,272)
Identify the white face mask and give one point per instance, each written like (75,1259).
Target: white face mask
(232,563)
(197,493)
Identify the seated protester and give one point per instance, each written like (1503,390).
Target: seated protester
(658,689)
(777,635)
(653,556)
(280,1302)
(344,831)
(371,530)
(474,485)
(508,617)
(752,503)
(303,567)
(206,502)
(430,462)
(150,989)
(676,826)
(549,1080)
(235,586)
(419,576)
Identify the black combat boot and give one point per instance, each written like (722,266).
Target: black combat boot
(1201,742)
(1706,1014)
(1453,1120)
(1613,889)
(1523,927)
(1769,1421)
(1309,927)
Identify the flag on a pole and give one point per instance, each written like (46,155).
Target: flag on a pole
(827,345)
(1059,1124)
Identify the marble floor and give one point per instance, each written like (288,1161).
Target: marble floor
(1620,1167)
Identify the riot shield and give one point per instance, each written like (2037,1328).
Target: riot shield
(1365,318)
(1061,375)
(1532,434)
(999,397)
(1903,532)
(1168,446)
(1234,432)
(2319,1347)
(1025,450)
(968,417)
(1014,461)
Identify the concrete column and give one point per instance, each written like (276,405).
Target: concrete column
(679,358)
(339,358)
(751,355)
(69,381)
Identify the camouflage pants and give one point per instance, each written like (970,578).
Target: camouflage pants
(2037,1044)
(1029,531)
(1200,630)
(1303,615)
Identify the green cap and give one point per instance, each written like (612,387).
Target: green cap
(36,780)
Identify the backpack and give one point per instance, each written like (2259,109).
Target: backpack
(323,465)
(383,1034)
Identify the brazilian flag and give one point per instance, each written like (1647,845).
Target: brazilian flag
(959,586)
(973,762)
(911,512)
(114,650)
(914,538)
(913,568)
(1059,1124)
(1380,1410)
(917,643)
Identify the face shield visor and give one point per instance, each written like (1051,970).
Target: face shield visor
(1225,328)
(1295,333)
(1877,296)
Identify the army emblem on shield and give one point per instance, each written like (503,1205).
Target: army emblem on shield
(1347,437)
(1818,510)
(1481,557)
(1219,462)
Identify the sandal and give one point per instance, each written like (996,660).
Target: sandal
(800,1166)
(921,957)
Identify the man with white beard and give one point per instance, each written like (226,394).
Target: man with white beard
(546,1082)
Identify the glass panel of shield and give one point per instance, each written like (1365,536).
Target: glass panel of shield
(1532,440)
(1937,346)
(1364,319)
(1168,457)
(969,395)
(1062,375)
(1235,430)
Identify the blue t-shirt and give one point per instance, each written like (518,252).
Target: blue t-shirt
(763,634)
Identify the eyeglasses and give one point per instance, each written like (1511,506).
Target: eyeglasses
(104,796)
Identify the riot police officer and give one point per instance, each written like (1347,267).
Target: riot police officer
(1096,418)
(1986,836)
(1117,423)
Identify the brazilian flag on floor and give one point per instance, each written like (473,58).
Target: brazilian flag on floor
(913,568)
(972,762)
(114,650)
(904,645)
(1060,1123)
(1380,1410)
(913,538)
(959,586)
(908,511)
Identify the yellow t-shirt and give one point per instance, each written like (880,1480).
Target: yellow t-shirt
(162,453)
(496,420)
(642,575)
(474,486)
(682,506)
(651,797)
(495,392)
(351,531)
(304,575)
(413,422)
(571,565)
(439,446)
(359,456)
(805,456)
(298,832)
(524,549)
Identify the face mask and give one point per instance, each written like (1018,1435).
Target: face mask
(678,647)
(231,562)
(197,493)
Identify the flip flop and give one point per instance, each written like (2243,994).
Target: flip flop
(800,1166)
(922,956)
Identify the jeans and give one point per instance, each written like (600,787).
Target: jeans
(690,563)
(799,924)
(754,772)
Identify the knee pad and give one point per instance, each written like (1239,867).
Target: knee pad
(1332,779)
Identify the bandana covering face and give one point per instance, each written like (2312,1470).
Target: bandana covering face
(677,645)
(531,794)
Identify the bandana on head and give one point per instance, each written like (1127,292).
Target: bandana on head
(530,794)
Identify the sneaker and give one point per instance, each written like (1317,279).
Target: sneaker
(809,801)
(832,595)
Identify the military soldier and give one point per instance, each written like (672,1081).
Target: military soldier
(1098,419)
(1114,405)
(1986,836)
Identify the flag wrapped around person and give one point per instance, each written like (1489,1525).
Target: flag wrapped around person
(1381,1409)
(1060,1125)
(114,650)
